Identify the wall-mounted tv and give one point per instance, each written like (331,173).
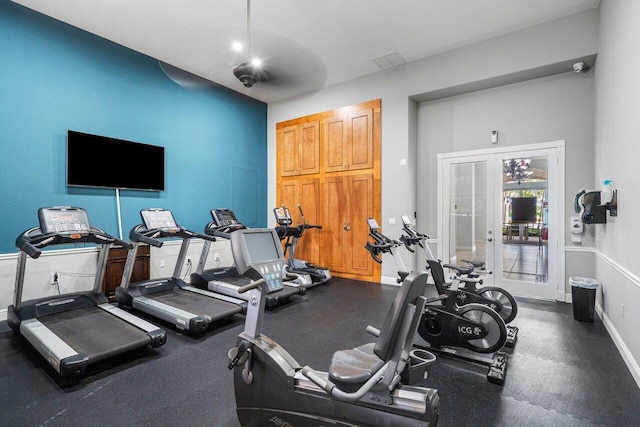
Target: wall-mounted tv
(99,161)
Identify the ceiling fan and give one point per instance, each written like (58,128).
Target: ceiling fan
(287,67)
(250,71)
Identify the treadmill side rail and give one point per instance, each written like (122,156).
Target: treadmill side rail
(215,295)
(158,336)
(181,318)
(64,359)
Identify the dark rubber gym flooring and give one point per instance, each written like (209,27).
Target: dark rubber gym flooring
(561,373)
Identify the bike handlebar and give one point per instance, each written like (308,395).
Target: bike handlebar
(376,250)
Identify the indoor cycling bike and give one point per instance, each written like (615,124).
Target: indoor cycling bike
(471,332)
(466,280)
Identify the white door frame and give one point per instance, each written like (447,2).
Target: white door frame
(557,215)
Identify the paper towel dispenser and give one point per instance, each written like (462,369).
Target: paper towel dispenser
(592,211)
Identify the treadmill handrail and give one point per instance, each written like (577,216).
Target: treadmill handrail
(25,245)
(193,234)
(33,239)
(141,234)
(222,231)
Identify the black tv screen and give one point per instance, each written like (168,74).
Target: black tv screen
(99,161)
(523,210)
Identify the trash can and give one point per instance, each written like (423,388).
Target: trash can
(583,294)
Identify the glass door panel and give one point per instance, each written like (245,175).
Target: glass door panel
(525,219)
(528,197)
(467,218)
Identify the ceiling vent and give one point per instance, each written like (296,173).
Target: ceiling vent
(390,60)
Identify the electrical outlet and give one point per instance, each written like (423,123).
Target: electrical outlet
(392,221)
(216,257)
(161,263)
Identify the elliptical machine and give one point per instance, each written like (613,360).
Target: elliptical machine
(364,386)
(471,332)
(291,234)
(466,281)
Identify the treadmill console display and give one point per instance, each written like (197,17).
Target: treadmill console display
(158,219)
(406,220)
(64,221)
(224,217)
(257,254)
(283,216)
(224,222)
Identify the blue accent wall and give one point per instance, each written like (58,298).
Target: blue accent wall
(55,77)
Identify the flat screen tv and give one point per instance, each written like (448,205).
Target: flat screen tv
(523,210)
(99,161)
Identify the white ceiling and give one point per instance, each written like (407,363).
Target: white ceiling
(304,44)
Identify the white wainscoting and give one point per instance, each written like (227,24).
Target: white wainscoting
(76,268)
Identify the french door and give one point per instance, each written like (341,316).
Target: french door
(505,207)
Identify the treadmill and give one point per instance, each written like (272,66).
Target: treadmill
(73,330)
(226,280)
(170,298)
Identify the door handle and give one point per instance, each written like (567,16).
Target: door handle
(490,239)
(346,226)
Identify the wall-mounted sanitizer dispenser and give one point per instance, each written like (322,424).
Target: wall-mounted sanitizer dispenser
(577,228)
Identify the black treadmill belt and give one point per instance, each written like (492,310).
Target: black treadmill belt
(95,333)
(197,303)
(234,280)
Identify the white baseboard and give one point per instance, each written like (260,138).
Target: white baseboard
(387,280)
(622,348)
(3,315)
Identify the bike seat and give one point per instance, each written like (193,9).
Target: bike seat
(459,269)
(350,369)
(474,263)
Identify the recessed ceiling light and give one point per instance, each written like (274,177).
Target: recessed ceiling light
(237,46)
(256,62)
